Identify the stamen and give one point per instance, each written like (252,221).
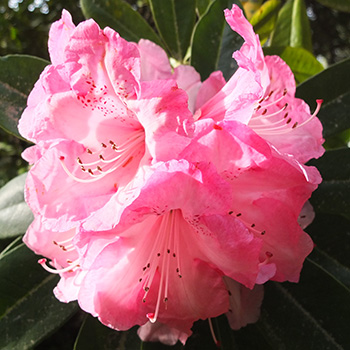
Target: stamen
(70,268)
(164,250)
(276,130)
(64,241)
(314,114)
(273,103)
(250,226)
(125,154)
(217,343)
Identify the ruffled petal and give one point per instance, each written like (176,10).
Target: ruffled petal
(155,64)
(189,80)
(158,332)
(250,56)
(286,121)
(244,303)
(210,88)
(59,35)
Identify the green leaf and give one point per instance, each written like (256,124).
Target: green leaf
(94,335)
(15,215)
(333,197)
(302,62)
(214,42)
(331,85)
(202,6)
(263,20)
(160,346)
(313,314)
(292,26)
(120,16)
(29,312)
(332,266)
(331,233)
(333,194)
(252,337)
(175,20)
(340,5)
(223,333)
(18,73)
(250,7)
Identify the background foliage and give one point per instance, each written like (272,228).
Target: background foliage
(314,314)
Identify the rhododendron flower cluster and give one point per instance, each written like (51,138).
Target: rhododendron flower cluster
(160,199)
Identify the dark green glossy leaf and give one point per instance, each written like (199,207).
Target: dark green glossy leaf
(331,85)
(214,42)
(292,26)
(231,42)
(302,62)
(339,140)
(251,337)
(159,346)
(333,197)
(94,335)
(18,73)
(263,20)
(333,194)
(341,5)
(29,311)
(313,314)
(334,165)
(202,6)
(332,266)
(223,333)
(331,233)
(15,215)
(120,16)
(175,20)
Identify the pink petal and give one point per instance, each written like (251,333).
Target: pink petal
(123,65)
(306,215)
(284,120)
(47,186)
(154,61)
(57,246)
(244,304)
(44,242)
(206,241)
(238,146)
(163,111)
(59,35)
(189,80)
(209,88)
(250,56)
(112,290)
(158,332)
(236,100)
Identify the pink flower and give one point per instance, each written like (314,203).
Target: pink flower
(261,95)
(161,200)
(269,191)
(165,259)
(95,122)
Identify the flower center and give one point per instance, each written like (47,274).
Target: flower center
(163,258)
(109,158)
(274,117)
